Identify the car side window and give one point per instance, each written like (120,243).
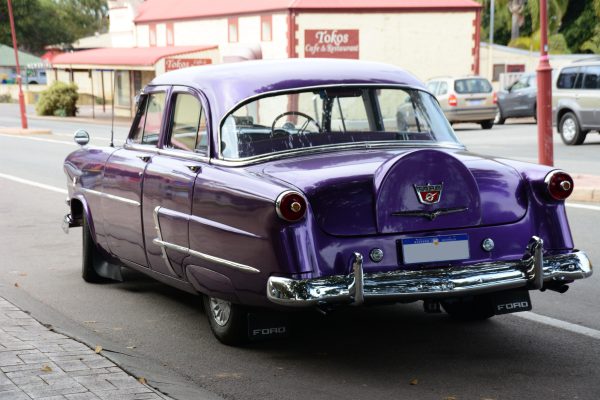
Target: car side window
(591,79)
(147,130)
(522,83)
(188,124)
(566,79)
(443,89)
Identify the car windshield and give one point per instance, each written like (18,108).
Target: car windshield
(472,85)
(333,116)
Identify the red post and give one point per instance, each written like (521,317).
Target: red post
(544,94)
(14,40)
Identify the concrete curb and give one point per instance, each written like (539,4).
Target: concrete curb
(126,122)
(25,132)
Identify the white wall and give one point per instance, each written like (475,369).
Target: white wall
(200,32)
(142,35)
(161,35)
(426,44)
(277,47)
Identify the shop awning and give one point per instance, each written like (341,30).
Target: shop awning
(132,57)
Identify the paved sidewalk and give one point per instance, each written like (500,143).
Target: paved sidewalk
(36,363)
(586,188)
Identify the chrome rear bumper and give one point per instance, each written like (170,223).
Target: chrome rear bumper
(532,271)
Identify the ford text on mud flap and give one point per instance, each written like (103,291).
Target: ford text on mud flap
(267,326)
(511,301)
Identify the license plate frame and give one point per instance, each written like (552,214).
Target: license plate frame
(432,249)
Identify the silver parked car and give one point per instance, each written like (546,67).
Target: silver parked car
(466,99)
(576,101)
(519,99)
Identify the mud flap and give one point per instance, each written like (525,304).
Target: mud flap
(267,325)
(511,301)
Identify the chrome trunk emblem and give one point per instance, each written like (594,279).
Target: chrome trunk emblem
(429,194)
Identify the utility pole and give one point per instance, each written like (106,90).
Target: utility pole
(14,40)
(544,94)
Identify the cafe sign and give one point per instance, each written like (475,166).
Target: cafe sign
(331,43)
(178,63)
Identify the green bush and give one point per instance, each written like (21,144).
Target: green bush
(6,98)
(60,99)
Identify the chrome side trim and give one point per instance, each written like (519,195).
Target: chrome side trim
(148,148)
(207,257)
(111,197)
(531,272)
(159,235)
(207,222)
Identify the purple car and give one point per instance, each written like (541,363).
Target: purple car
(315,183)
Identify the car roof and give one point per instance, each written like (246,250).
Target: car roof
(226,85)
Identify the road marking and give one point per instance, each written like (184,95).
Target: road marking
(32,183)
(583,206)
(557,323)
(36,139)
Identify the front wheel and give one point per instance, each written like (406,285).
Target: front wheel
(475,308)
(570,131)
(228,321)
(487,124)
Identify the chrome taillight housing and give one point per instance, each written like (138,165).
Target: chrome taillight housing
(560,184)
(290,206)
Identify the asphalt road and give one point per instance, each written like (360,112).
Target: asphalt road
(162,334)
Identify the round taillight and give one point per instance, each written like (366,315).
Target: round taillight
(290,206)
(560,185)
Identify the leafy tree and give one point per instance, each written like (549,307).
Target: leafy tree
(39,23)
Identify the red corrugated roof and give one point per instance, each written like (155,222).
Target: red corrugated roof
(125,56)
(162,10)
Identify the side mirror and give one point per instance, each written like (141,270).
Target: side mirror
(81,137)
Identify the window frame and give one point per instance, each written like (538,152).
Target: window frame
(129,144)
(168,131)
(233,21)
(269,20)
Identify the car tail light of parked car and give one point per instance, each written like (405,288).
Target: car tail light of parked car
(560,185)
(495,98)
(452,101)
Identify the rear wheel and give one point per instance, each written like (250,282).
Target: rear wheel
(487,124)
(228,321)
(570,131)
(500,118)
(91,256)
(475,308)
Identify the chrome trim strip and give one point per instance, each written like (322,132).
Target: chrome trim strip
(207,257)
(159,234)
(111,197)
(331,148)
(148,148)
(431,215)
(431,283)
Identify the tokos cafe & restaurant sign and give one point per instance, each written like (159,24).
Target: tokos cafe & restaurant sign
(178,63)
(331,43)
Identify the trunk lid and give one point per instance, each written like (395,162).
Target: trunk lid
(403,190)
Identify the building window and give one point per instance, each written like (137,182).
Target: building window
(233,29)
(266,24)
(152,34)
(123,89)
(170,37)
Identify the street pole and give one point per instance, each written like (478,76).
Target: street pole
(14,40)
(544,94)
(491,42)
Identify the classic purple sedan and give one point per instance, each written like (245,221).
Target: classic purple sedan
(316,183)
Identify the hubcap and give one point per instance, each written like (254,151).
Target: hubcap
(569,129)
(497,119)
(221,310)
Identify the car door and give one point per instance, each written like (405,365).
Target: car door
(169,182)
(588,97)
(515,99)
(123,177)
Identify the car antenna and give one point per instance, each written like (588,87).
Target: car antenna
(112,124)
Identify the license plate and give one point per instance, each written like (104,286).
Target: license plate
(435,248)
(475,102)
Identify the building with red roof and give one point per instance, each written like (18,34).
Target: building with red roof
(427,37)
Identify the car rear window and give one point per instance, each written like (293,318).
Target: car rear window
(472,85)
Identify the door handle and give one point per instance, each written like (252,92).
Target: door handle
(144,158)
(194,168)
